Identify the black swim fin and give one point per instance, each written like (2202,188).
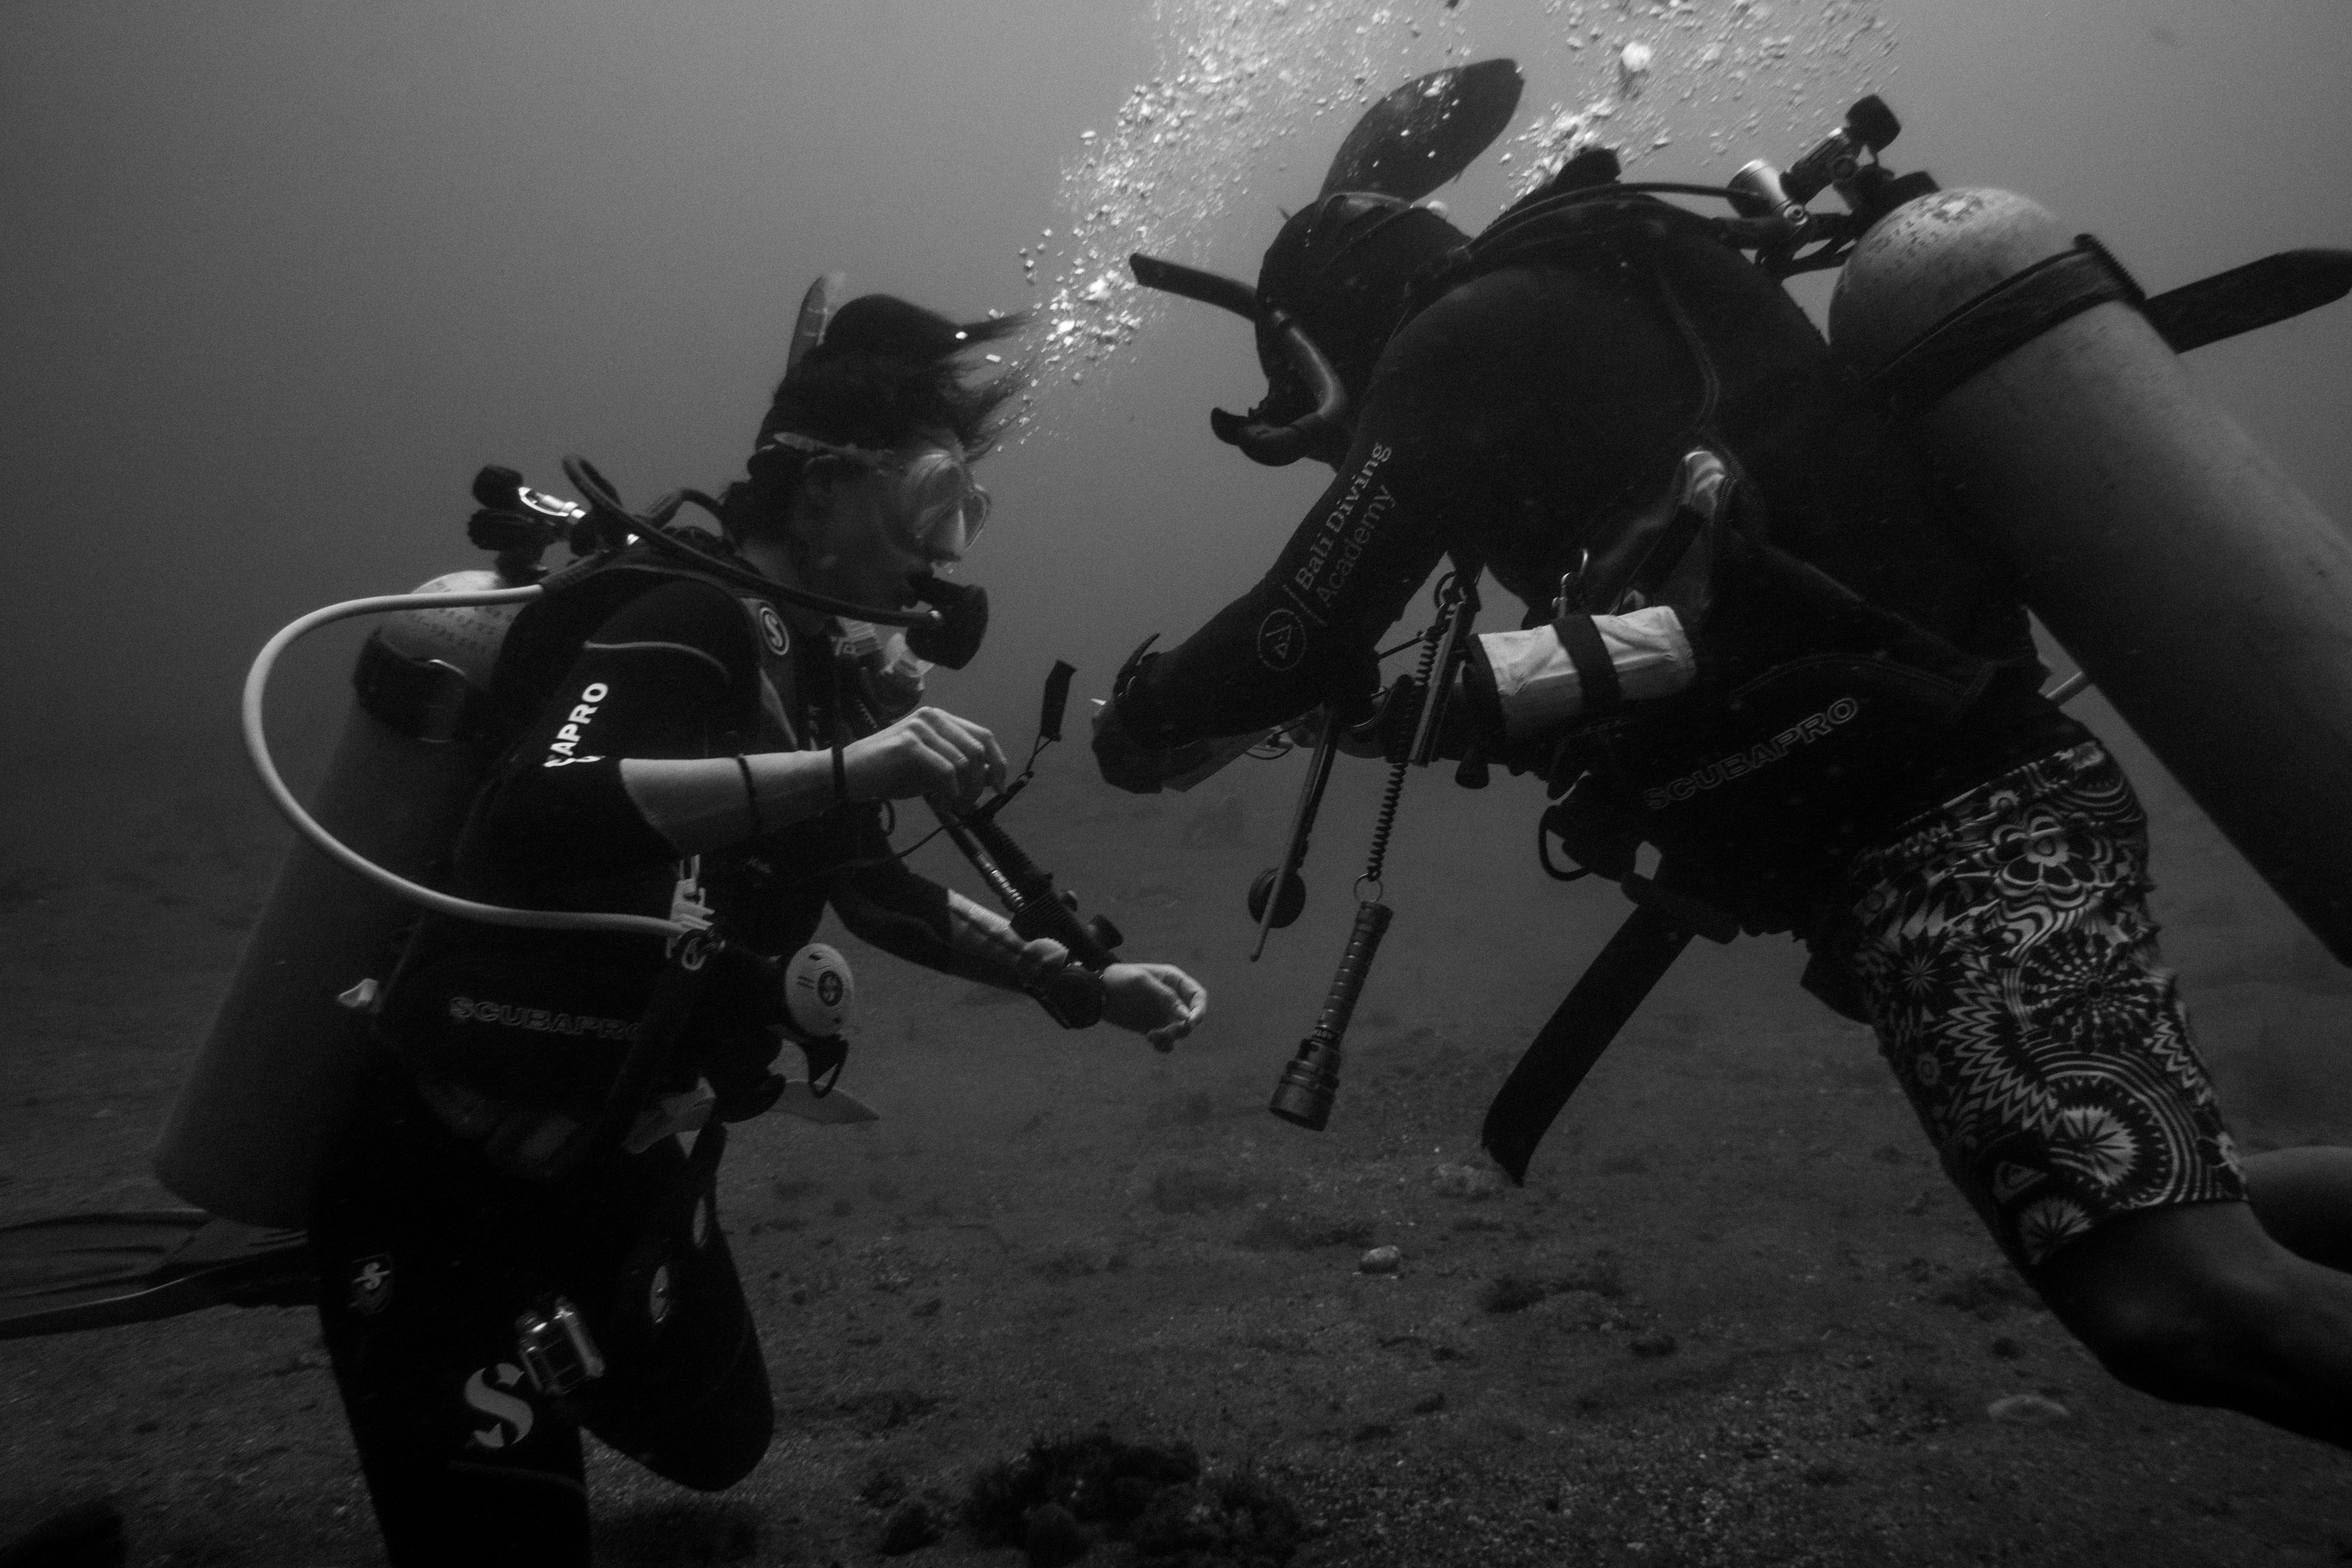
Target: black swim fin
(1427,131)
(95,1270)
(2244,298)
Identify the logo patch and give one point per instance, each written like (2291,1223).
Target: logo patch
(547,1021)
(565,747)
(772,632)
(371,1290)
(511,1418)
(1739,764)
(1281,640)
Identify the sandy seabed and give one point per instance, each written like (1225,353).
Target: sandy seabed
(1735,1316)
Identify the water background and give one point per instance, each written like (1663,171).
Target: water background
(276,277)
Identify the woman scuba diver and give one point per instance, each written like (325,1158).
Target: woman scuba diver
(491,1283)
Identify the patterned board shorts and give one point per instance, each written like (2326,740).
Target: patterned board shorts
(2006,957)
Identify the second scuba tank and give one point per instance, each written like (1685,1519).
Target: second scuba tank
(2208,597)
(273,1081)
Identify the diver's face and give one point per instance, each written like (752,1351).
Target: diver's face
(878,531)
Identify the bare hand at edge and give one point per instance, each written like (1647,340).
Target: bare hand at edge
(931,751)
(1158,1001)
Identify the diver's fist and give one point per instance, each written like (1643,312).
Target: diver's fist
(931,751)
(1127,762)
(1158,1001)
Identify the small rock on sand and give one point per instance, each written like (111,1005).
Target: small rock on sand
(1379,1260)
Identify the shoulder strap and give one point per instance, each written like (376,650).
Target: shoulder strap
(546,635)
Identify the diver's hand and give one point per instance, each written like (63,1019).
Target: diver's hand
(1039,961)
(931,753)
(1071,996)
(1158,1001)
(1126,761)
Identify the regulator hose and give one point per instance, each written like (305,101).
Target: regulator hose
(256,747)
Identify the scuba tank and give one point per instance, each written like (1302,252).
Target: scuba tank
(274,1081)
(2198,588)
(274,1078)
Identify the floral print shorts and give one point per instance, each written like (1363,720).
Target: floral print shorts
(2006,957)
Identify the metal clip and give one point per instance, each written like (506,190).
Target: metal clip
(556,1350)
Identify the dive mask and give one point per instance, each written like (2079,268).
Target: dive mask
(936,507)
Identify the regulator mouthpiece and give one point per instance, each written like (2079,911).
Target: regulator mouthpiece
(954,637)
(1309,1084)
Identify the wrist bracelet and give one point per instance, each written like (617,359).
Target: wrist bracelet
(751,796)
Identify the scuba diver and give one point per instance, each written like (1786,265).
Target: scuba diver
(1763,641)
(692,747)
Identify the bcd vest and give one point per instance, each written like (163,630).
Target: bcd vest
(537,1018)
(1820,718)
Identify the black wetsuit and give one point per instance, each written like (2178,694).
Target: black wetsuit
(430,1247)
(1864,757)
(1519,414)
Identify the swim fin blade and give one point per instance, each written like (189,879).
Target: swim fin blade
(1427,131)
(835,1108)
(2244,298)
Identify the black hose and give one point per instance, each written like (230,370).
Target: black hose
(654,529)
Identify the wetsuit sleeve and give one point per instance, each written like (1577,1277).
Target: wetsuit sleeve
(1413,481)
(1306,633)
(886,903)
(662,677)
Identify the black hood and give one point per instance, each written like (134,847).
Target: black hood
(1342,268)
(1334,284)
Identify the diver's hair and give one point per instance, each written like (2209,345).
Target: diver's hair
(886,371)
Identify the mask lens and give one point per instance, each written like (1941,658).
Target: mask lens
(976,504)
(943,509)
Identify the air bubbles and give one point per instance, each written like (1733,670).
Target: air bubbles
(1235,87)
(1687,70)
(1247,99)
